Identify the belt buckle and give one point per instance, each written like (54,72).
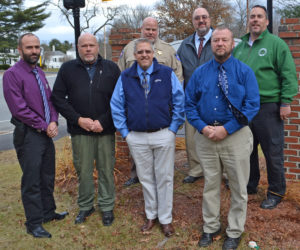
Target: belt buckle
(216,123)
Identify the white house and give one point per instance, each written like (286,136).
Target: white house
(54,59)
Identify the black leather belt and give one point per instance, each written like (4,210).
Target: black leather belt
(216,123)
(153,130)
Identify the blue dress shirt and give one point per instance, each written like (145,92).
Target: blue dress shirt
(205,102)
(117,103)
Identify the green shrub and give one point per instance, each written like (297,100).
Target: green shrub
(4,66)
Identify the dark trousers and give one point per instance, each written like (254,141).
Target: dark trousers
(36,155)
(268,131)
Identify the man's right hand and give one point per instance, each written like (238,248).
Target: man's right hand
(86,123)
(208,131)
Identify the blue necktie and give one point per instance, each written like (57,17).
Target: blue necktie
(223,81)
(145,83)
(43,93)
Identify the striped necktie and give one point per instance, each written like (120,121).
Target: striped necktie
(145,83)
(200,46)
(223,82)
(43,93)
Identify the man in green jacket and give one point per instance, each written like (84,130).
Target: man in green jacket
(275,71)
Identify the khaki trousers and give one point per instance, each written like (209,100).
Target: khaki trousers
(234,154)
(154,155)
(195,168)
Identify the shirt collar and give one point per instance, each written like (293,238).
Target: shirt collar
(26,66)
(207,36)
(148,71)
(226,65)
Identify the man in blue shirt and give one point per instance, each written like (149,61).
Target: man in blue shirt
(147,108)
(221,98)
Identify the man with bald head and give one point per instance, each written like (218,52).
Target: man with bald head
(82,93)
(164,54)
(194,51)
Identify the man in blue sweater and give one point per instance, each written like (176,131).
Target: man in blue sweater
(147,108)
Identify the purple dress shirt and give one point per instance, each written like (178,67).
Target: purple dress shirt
(23,96)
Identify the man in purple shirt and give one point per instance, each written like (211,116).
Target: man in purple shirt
(27,94)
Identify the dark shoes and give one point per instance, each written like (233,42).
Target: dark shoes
(231,243)
(81,217)
(56,216)
(107,218)
(168,229)
(148,225)
(190,179)
(207,238)
(131,181)
(270,203)
(38,231)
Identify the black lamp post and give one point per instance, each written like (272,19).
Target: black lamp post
(75,5)
(270,15)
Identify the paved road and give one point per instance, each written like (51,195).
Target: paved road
(6,128)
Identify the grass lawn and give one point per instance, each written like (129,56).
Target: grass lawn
(273,229)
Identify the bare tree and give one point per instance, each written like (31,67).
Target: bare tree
(175,16)
(130,17)
(288,8)
(239,26)
(88,15)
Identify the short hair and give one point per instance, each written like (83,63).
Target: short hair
(222,27)
(22,36)
(262,7)
(142,40)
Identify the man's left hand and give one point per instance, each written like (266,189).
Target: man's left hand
(97,128)
(219,133)
(52,129)
(285,112)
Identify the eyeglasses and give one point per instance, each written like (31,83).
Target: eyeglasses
(204,17)
(140,52)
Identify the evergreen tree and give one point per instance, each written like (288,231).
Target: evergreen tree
(15,19)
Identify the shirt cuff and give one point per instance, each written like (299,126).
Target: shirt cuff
(124,132)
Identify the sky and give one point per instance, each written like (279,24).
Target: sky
(59,28)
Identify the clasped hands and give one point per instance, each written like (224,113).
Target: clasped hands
(52,129)
(215,133)
(90,125)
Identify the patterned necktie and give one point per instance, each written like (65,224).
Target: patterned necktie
(145,83)
(223,81)
(43,93)
(200,46)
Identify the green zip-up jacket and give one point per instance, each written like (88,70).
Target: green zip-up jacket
(273,65)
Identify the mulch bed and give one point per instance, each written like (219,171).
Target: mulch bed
(279,227)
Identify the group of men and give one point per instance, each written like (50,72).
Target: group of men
(231,106)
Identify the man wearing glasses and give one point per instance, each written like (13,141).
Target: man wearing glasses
(164,54)
(194,51)
(147,108)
